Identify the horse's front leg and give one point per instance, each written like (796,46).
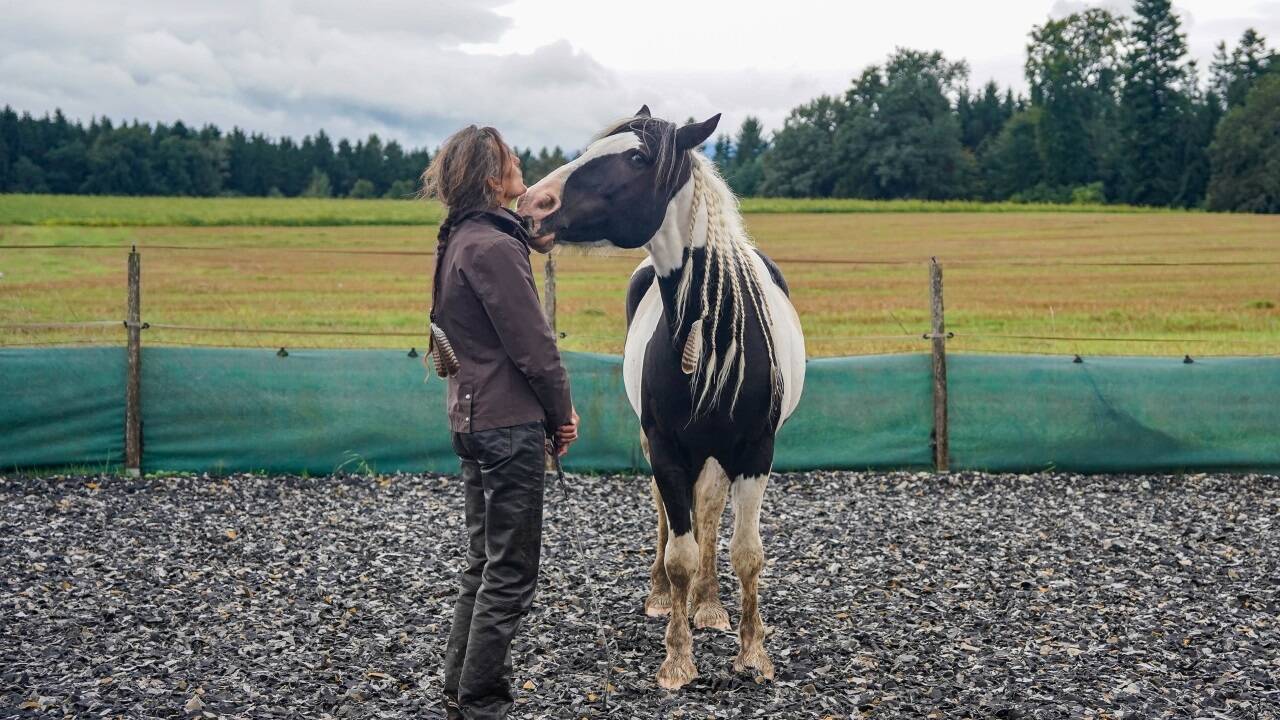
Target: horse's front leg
(658,604)
(680,560)
(747,554)
(710,495)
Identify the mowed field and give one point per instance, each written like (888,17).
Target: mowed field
(857,270)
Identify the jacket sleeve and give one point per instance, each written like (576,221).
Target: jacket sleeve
(501,277)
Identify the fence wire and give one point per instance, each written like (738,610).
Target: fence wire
(954,335)
(60,325)
(1067,338)
(285,331)
(611,254)
(608,254)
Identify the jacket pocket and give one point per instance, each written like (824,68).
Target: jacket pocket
(461,410)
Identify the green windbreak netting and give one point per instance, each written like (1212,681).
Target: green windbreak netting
(61,407)
(314,411)
(1113,414)
(871,412)
(318,410)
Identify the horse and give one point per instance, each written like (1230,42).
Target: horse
(713,365)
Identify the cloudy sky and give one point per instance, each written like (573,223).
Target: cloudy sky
(542,71)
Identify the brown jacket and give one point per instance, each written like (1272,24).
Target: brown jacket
(488,307)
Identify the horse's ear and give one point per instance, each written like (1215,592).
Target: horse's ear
(694,134)
(643,111)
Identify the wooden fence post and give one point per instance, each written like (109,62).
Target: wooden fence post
(549,291)
(939,336)
(133,386)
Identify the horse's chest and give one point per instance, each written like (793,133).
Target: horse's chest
(651,365)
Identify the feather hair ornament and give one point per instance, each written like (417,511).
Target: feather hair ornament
(692,348)
(446,361)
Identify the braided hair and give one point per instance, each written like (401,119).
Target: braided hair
(458,177)
(442,243)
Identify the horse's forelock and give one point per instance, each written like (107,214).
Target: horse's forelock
(659,139)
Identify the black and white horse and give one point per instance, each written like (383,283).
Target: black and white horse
(714,360)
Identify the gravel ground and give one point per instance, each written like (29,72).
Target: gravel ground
(887,595)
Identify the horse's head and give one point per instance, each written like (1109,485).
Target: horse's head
(618,189)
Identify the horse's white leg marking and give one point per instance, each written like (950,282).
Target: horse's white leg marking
(659,601)
(747,554)
(682,565)
(710,494)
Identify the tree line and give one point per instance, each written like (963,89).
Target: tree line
(52,154)
(1116,112)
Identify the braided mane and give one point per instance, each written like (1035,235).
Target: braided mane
(729,258)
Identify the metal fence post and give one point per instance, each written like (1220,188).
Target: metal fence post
(940,440)
(133,386)
(549,291)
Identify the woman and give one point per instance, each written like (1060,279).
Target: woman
(508,395)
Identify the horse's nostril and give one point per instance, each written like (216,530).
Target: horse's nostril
(547,202)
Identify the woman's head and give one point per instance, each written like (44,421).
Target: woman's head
(473,170)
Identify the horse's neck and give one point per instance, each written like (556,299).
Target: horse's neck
(701,239)
(672,249)
(696,241)
(679,310)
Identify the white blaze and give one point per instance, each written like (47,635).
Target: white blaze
(611,145)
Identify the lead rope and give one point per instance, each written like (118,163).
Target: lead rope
(591,588)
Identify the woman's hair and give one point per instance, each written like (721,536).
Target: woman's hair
(458,177)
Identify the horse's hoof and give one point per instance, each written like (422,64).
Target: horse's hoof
(657,605)
(755,659)
(675,673)
(711,615)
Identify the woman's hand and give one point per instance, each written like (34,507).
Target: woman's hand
(567,434)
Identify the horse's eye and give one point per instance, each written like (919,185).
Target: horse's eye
(637,158)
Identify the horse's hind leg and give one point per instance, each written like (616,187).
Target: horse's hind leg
(658,604)
(710,494)
(747,554)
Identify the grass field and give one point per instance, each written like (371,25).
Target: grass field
(91,211)
(1024,272)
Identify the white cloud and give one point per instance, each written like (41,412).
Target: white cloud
(543,72)
(291,68)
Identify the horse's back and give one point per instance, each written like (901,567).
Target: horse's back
(787,335)
(775,272)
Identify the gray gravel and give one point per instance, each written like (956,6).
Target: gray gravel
(888,595)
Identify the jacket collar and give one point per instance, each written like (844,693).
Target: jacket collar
(504,220)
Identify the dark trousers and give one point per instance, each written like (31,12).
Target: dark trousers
(503,475)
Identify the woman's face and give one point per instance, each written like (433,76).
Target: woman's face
(512,181)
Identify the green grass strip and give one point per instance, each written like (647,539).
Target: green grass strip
(109,211)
